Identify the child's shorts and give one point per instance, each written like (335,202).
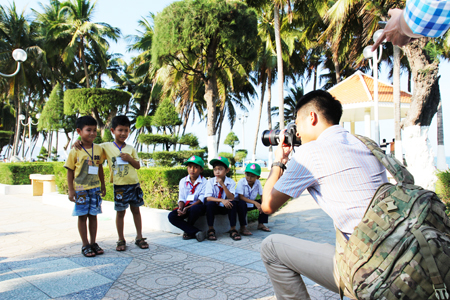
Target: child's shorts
(88,202)
(125,195)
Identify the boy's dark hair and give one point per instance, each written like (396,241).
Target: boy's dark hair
(325,104)
(85,121)
(218,163)
(120,120)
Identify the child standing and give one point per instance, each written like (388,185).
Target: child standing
(219,195)
(190,200)
(247,190)
(86,181)
(123,163)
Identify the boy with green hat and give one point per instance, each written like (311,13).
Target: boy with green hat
(190,200)
(219,195)
(247,189)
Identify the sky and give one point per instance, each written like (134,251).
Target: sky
(125,15)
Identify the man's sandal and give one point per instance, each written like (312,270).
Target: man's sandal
(96,248)
(87,251)
(212,235)
(141,243)
(234,234)
(121,245)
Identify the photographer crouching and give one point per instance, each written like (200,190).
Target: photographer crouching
(339,172)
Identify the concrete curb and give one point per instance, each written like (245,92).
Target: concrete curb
(6,189)
(152,218)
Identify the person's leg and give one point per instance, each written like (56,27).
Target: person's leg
(242,214)
(232,214)
(211,208)
(194,213)
(82,229)
(120,216)
(137,221)
(286,257)
(93,225)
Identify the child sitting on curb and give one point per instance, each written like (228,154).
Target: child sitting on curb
(247,190)
(190,200)
(220,198)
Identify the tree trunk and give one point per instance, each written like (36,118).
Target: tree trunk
(397,109)
(336,64)
(49,149)
(269,112)
(210,97)
(263,89)
(279,64)
(316,75)
(441,164)
(424,103)
(83,59)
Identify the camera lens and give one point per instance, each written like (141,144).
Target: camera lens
(270,137)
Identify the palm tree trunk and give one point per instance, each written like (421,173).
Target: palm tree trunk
(83,59)
(210,98)
(424,103)
(279,64)
(269,112)
(441,164)
(397,110)
(336,64)
(316,75)
(263,89)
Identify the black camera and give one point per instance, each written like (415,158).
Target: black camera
(272,137)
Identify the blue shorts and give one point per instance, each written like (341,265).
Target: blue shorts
(88,202)
(125,195)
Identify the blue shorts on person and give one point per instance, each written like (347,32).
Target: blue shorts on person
(88,202)
(125,195)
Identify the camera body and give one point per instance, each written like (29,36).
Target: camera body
(272,137)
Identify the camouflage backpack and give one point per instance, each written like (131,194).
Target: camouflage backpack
(401,247)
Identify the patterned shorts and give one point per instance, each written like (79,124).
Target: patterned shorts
(125,195)
(88,202)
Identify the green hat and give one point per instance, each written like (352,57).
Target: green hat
(195,160)
(221,159)
(253,168)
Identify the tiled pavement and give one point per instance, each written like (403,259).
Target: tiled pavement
(40,257)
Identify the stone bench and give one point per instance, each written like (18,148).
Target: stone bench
(42,184)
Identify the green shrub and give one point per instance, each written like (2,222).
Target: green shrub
(19,173)
(169,158)
(443,186)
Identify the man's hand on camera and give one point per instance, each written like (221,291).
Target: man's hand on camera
(282,152)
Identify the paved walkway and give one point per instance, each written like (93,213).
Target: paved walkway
(40,257)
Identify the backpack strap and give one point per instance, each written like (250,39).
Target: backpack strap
(394,167)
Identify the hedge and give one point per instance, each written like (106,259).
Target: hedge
(160,184)
(443,188)
(19,173)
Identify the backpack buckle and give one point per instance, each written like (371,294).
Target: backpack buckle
(441,294)
(390,205)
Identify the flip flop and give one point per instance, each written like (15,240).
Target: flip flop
(246,233)
(264,229)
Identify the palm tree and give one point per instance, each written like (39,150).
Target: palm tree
(290,103)
(83,33)
(16,31)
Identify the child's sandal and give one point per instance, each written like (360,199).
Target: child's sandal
(234,234)
(121,245)
(96,248)
(87,251)
(141,243)
(212,235)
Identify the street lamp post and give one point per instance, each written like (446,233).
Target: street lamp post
(20,56)
(367,52)
(29,123)
(242,119)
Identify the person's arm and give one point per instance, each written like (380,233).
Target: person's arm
(271,198)
(70,177)
(243,198)
(101,176)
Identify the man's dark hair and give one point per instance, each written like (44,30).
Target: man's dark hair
(85,121)
(120,120)
(325,104)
